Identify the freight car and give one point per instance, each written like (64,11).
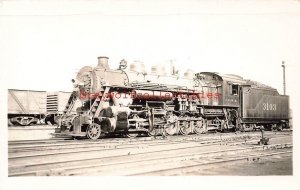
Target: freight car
(29,107)
(55,105)
(133,101)
(26,107)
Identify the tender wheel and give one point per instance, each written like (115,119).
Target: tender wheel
(279,127)
(218,124)
(93,131)
(200,127)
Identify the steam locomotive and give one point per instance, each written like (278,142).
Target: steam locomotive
(130,101)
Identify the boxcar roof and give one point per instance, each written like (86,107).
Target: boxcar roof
(26,90)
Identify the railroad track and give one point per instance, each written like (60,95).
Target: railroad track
(89,146)
(52,163)
(153,163)
(22,145)
(100,152)
(34,142)
(185,168)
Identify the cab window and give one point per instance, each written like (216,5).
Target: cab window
(233,89)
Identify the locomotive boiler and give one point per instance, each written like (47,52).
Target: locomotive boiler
(132,101)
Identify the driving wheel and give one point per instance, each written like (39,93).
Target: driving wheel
(199,127)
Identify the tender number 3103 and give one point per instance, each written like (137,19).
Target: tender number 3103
(267,106)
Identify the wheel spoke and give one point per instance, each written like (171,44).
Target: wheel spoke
(93,131)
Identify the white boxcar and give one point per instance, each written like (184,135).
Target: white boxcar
(26,107)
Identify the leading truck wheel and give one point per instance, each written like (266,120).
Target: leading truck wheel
(93,131)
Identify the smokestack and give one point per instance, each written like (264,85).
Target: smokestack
(103,62)
(283,68)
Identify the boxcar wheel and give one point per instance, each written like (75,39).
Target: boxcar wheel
(9,122)
(93,131)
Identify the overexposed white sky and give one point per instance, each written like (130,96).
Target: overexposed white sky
(43,43)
